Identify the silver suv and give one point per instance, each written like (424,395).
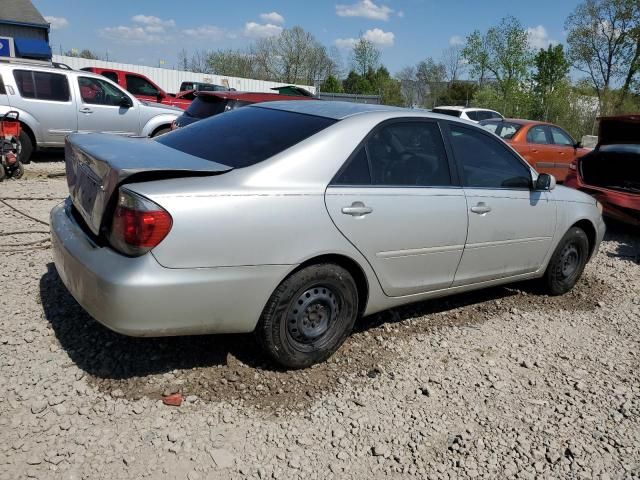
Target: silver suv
(54,102)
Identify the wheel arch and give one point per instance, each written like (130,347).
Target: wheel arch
(349,264)
(589,228)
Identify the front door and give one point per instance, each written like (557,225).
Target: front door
(396,202)
(510,225)
(99,108)
(566,151)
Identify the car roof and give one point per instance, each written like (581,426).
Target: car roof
(50,68)
(334,109)
(464,109)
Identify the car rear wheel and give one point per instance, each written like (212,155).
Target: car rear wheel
(568,262)
(161,131)
(309,316)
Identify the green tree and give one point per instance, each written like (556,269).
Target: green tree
(551,71)
(503,51)
(85,53)
(331,84)
(365,56)
(357,84)
(432,81)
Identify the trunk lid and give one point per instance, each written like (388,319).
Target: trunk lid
(97,164)
(619,129)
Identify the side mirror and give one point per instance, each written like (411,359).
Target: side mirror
(159,97)
(125,102)
(545,182)
(577,145)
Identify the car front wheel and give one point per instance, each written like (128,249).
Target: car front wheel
(309,316)
(568,262)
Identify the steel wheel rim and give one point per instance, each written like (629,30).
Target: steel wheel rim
(312,314)
(569,260)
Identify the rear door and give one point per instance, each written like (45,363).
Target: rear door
(541,153)
(99,108)
(510,226)
(397,201)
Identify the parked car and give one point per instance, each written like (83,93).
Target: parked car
(207,104)
(292,219)
(54,102)
(611,172)
(141,86)
(469,113)
(202,87)
(547,147)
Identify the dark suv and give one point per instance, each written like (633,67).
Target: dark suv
(207,104)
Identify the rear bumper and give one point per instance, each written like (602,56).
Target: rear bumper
(621,206)
(139,297)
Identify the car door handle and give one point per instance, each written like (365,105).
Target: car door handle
(357,209)
(86,110)
(481,208)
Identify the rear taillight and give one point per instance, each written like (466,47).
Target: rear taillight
(138,224)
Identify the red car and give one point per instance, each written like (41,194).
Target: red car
(207,104)
(143,88)
(611,172)
(546,147)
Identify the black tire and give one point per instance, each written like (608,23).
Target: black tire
(309,316)
(26,146)
(161,131)
(567,262)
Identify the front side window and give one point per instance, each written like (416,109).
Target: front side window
(98,92)
(245,136)
(139,86)
(42,85)
(560,137)
(486,162)
(403,154)
(537,135)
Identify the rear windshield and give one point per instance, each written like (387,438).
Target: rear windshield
(245,136)
(446,111)
(205,107)
(505,130)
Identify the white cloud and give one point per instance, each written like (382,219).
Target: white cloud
(272,17)
(150,20)
(209,32)
(539,38)
(375,35)
(456,40)
(379,37)
(261,30)
(132,35)
(57,23)
(366,9)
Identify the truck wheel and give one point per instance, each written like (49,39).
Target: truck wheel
(161,131)
(567,262)
(26,146)
(309,316)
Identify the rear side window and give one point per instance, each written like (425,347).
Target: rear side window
(537,135)
(246,136)
(486,162)
(446,111)
(473,115)
(204,107)
(42,85)
(113,76)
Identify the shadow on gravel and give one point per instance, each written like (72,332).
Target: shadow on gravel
(628,241)
(231,367)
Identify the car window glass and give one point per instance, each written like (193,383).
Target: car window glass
(225,139)
(2,89)
(139,86)
(473,115)
(99,92)
(207,106)
(408,154)
(537,135)
(491,127)
(560,138)
(486,162)
(113,76)
(508,130)
(447,111)
(42,85)
(357,171)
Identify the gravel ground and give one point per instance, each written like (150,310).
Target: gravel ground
(503,383)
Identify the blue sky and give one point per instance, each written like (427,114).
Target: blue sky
(407,31)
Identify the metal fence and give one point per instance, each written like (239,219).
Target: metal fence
(170,80)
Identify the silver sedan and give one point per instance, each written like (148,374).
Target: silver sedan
(294,219)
